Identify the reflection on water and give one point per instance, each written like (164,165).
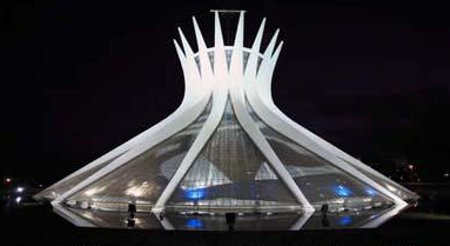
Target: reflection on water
(227,222)
(426,224)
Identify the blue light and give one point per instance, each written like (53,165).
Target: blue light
(194,223)
(371,192)
(342,191)
(195,193)
(345,220)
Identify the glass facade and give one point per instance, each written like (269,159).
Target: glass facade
(320,181)
(54,192)
(142,180)
(231,174)
(393,187)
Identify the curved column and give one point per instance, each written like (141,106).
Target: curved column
(220,94)
(264,86)
(258,98)
(192,95)
(247,123)
(165,132)
(192,106)
(340,153)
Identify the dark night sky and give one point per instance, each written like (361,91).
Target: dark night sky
(79,78)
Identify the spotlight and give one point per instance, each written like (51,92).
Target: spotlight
(194,223)
(345,220)
(342,191)
(196,193)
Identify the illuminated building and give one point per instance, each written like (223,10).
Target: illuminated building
(227,149)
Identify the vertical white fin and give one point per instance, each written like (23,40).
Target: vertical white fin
(271,46)
(267,55)
(274,58)
(252,63)
(237,66)
(267,84)
(220,63)
(180,56)
(188,82)
(205,64)
(187,48)
(194,74)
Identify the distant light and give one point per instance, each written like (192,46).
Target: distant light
(20,189)
(40,185)
(411,167)
(446,174)
(18,199)
(371,192)
(345,220)
(8,180)
(342,191)
(195,193)
(194,223)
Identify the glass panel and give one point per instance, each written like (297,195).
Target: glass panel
(231,174)
(52,193)
(395,188)
(142,180)
(320,181)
